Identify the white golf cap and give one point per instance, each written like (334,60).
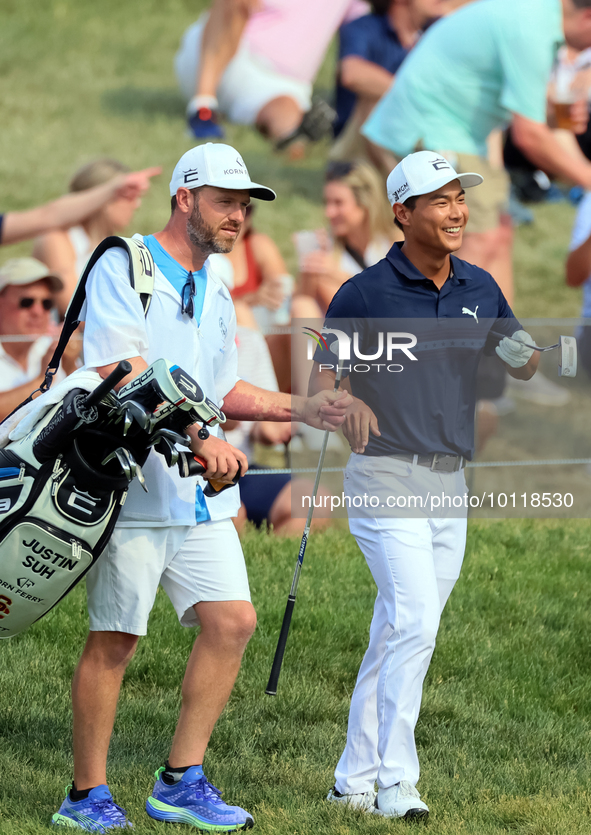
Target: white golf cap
(216,165)
(22,271)
(422,173)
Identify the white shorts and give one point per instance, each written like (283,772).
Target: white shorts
(193,564)
(247,85)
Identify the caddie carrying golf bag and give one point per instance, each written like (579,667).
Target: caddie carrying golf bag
(63,483)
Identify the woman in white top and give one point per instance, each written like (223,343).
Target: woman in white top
(361,232)
(66,251)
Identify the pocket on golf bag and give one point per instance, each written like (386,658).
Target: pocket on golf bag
(52,530)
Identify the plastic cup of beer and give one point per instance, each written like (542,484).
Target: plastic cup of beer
(562,111)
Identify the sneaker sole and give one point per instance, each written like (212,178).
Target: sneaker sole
(174,814)
(419,815)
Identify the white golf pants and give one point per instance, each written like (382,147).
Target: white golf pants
(415,564)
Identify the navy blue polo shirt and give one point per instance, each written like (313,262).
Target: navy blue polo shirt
(373,38)
(415,350)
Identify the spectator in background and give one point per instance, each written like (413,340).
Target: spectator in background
(371,49)
(27,297)
(256,267)
(578,274)
(270,497)
(483,67)
(256,275)
(361,233)
(72,209)
(255,61)
(66,251)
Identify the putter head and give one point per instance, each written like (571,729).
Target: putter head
(567,364)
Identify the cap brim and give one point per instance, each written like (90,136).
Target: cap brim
(55,282)
(262,192)
(254,189)
(469,180)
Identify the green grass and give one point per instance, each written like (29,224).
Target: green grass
(504,734)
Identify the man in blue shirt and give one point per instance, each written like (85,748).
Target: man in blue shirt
(371,49)
(411,430)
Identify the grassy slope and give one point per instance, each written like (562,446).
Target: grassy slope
(504,732)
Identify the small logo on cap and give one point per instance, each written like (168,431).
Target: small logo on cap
(191,176)
(440,163)
(240,162)
(399,194)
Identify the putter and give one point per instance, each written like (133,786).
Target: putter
(281,643)
(567,364)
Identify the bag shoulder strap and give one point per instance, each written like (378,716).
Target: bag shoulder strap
(141,277)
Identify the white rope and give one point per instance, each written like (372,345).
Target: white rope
(551,462)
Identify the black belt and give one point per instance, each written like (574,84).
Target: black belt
(439,462)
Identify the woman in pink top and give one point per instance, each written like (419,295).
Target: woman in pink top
(255,61)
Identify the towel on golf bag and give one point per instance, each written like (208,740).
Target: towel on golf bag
(23,420)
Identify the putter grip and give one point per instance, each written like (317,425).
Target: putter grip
(280,651)
(117,374)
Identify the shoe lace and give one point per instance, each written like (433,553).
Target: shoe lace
(407,789)
(205,790)
(109,809)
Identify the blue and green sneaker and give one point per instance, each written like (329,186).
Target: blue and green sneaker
(96,813)
(195,801)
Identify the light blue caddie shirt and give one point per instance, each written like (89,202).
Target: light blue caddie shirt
(467,75)
(177,276)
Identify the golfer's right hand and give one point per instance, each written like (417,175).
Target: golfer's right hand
(359,421)
(222,458)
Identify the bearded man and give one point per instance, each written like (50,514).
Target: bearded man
(175,535)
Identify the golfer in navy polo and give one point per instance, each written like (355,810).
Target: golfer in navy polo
(410,435)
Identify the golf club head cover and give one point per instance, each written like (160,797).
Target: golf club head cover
(164,389)
(512,350)
(190,464)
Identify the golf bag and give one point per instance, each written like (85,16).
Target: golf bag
(63,484)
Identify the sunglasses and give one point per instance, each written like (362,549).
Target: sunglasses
(26,303)
(187,293)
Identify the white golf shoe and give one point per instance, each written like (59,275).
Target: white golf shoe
(363,800)
(401,801)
